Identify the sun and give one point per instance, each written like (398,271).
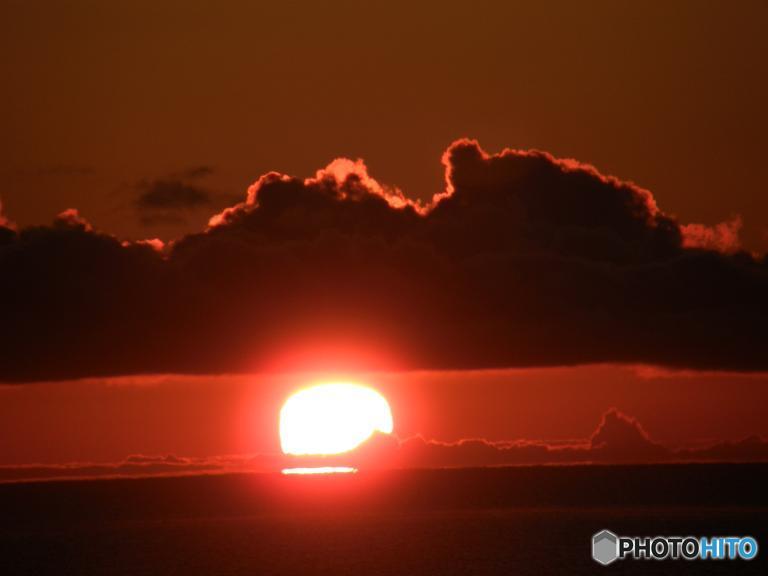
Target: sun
(332,418)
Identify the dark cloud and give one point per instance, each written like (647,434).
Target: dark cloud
(171,200)
(621,438)
(523,260)
(137,465)
(171,194)
(141,465)
(618,439)
(750,449)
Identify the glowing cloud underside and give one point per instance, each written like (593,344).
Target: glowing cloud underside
(332,418)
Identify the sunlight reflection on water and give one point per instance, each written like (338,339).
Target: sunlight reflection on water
(321,470)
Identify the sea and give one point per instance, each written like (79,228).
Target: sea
(515,521)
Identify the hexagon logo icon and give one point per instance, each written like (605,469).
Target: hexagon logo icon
(605,547)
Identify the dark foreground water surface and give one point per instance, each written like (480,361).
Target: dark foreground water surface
(514,521)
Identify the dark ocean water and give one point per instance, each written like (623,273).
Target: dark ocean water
(517,521)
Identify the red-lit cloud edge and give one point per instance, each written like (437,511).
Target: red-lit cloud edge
(618,439)
(523,260)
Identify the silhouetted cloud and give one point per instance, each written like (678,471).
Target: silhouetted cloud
(618,439)
(131,466)
(141,465)
(168,200)
(524,260)
(750,449)
(171,194)
(621,438)
(171,199)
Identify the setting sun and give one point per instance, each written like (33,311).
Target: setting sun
(332,418)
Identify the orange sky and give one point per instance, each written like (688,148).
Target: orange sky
(100,97)
(110,107)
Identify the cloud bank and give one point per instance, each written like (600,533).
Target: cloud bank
(523,260)
(618,439)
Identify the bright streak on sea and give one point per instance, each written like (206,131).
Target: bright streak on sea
(321,470)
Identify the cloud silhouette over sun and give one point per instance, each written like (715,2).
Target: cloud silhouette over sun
(523,260)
